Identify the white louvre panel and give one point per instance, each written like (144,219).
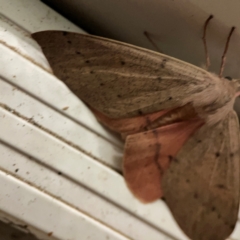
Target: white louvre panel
(59,168)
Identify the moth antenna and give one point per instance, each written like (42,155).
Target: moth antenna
(205,41)
(225,52)
(147,34)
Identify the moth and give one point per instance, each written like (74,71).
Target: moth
(181,132)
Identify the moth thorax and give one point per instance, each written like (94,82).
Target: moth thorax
(180,114)
(219,113)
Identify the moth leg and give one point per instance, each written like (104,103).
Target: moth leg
(205,41)
(148,36)
(225,52)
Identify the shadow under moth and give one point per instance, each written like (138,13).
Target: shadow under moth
(181,132)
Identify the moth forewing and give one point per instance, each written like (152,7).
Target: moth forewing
(121,80)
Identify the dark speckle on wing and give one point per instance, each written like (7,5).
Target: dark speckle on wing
(163,64)
(221,186)
(195,195)
(217,154)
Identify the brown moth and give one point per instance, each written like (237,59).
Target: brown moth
(182,134)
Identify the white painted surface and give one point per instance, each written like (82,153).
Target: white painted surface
(60,165)
(34,206)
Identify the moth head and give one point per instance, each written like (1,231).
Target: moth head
(236,83)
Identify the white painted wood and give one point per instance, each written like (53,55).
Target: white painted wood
(51,120)
(48,214)
(77,193)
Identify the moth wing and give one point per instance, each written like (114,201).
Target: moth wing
(126,126)
(201,186)
(147,155)
(118,79)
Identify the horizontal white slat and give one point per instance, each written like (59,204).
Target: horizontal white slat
(76,195)
(60,125)
(53,217)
